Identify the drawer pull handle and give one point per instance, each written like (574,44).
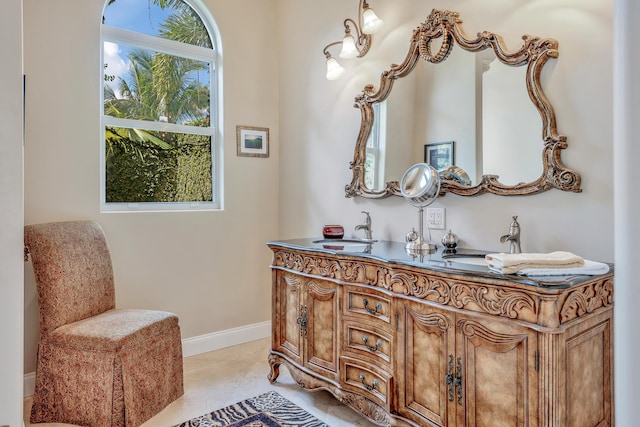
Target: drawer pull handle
(371,311)
(373,385)
(374,349)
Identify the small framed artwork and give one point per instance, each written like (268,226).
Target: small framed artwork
(439,154)
(252,141)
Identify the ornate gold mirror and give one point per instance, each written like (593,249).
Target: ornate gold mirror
(470,110)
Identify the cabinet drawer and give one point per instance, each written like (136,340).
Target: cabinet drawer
(368,341)
(367,380)
(368,303)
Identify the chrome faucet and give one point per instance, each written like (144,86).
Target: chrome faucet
(513,237)
(366,226)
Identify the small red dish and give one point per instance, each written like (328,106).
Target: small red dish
(333,232)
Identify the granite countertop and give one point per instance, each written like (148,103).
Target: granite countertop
(395,253)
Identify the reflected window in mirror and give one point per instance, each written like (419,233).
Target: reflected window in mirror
(374,175)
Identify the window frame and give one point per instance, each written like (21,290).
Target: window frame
(213,57)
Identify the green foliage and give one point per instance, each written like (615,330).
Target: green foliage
(193,172)
(132,178)
(152,174)
(146,166)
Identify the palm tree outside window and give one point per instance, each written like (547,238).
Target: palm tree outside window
(160,147)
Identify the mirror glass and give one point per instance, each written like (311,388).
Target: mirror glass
(490,111)
(420,184)
(470,108)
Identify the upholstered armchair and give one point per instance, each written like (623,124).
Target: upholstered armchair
(97,365)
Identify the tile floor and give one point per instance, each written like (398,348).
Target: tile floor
(223,377)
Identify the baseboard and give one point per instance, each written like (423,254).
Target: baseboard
(197,345)
(227,338)
(29,384)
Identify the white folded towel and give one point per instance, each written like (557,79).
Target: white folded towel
(590,268)
(513,263)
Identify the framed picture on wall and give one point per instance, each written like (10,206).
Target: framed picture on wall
(252,141)
(439,154)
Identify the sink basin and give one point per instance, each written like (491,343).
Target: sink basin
(467,256)
(342,244)
(469,260)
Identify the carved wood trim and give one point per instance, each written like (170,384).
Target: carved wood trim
(292,279)
(534,52)
(503,342)
(587,299)
(332,268)
(495,301)
(452,290)
(432,320)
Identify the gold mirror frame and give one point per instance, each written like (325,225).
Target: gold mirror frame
(534,53)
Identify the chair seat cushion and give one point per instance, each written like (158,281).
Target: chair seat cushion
(114,329)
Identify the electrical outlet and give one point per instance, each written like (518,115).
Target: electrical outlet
(435,218)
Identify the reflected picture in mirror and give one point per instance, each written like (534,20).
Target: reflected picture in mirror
(486,98)
(440,155)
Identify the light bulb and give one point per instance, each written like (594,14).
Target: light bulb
(349,49)
(370,21)
(334,70)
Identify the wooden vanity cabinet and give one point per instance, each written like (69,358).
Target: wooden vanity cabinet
(411,346)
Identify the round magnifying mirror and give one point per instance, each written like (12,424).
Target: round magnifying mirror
(420,186)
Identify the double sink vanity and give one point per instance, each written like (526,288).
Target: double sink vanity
(425,340)
(428,341)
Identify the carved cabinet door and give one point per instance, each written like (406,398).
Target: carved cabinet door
(306,322)
(323,309)
(426,364)
(460,369)
(496,361)
(288,314)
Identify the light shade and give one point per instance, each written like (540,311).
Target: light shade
(349,49)
(370,21)
(334,70)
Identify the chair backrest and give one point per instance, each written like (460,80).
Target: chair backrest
(73,271)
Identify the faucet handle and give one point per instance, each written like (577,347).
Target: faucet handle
(514,227)
(368,218)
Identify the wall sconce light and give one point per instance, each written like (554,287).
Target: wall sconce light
(368,23)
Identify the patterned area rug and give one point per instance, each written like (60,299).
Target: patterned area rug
(267,410)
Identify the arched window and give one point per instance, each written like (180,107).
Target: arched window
(161,146)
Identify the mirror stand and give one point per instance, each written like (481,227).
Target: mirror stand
(420,186)
(416,243)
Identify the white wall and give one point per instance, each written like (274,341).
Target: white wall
(319,126)
(627,207)
(11,295)
(210,268)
